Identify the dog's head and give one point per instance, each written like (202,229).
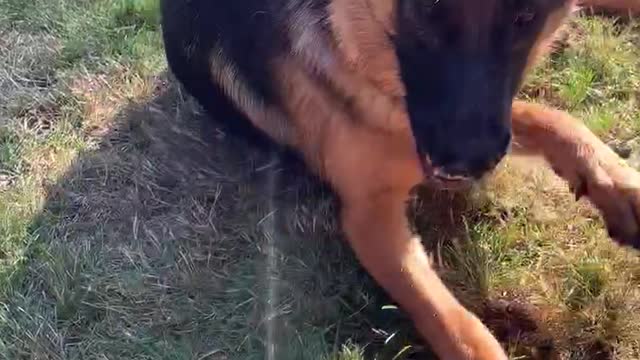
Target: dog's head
(462,62)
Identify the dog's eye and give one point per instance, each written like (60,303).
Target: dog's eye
(524,17)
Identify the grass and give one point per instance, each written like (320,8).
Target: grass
(131,227)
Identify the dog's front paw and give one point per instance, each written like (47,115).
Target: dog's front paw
(614,188)
(473,341)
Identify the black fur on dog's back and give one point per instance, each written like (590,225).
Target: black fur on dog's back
(193,30)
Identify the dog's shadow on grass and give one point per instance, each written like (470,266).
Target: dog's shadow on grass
(171,238)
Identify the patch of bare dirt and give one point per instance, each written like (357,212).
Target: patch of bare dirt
(515,321)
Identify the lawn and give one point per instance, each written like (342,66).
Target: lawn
(133,227)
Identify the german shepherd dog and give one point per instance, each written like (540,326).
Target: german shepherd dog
(378,96)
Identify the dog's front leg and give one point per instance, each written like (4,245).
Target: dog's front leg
(378,232)
(373,173)
(590,167)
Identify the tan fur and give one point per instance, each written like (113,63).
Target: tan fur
(365,76)
(364,148)
(549,34)
(267,119)
(362,41)
(384,12)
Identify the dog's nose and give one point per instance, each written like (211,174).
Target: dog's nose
(470,159)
